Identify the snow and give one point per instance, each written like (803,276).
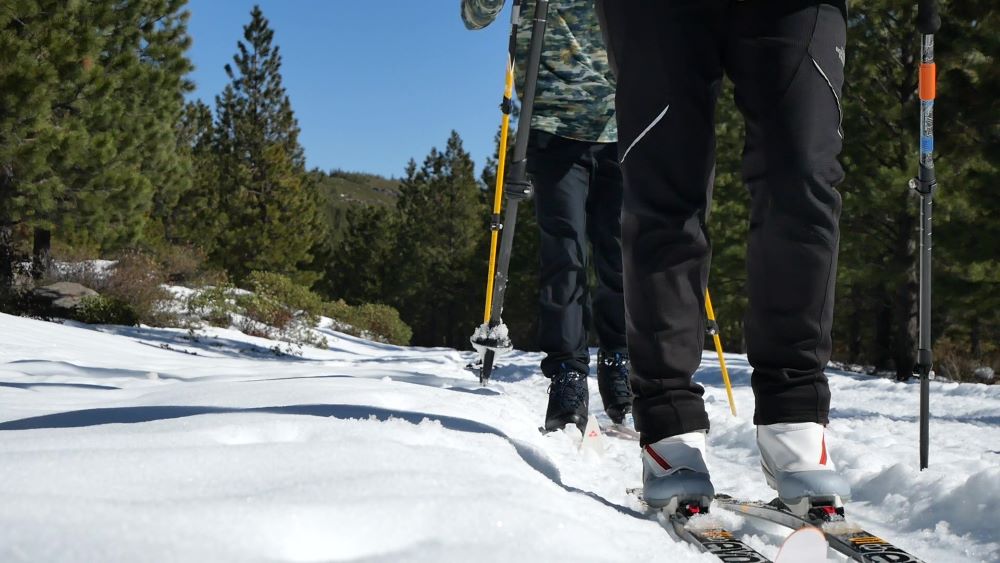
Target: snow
(124,444)
(98,268)
(497,336)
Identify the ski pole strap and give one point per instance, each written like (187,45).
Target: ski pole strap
(928,19)
(517,189)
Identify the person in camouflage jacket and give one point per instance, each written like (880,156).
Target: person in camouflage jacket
(573,163)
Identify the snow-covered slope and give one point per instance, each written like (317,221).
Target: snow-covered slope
(126,444)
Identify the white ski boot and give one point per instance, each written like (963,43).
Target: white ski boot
(674,473)
(797,465)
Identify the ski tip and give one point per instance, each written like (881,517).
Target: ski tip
(805,544)
(592,438)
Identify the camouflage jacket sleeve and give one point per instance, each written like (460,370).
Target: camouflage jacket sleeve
(478,14)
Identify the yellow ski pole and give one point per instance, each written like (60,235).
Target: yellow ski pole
(513,184)
(498,192)
(713,329)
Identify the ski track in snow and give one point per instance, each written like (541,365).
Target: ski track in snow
(126,444)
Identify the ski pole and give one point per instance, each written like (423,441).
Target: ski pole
(491,336)
(713,329)
(928,22)
(505,106)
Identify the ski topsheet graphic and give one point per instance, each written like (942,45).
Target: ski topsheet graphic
(845,537)
(700,529)
(808,542)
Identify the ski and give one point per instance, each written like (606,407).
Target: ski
(804,544)
(622,431)
(844,537)
(695,526)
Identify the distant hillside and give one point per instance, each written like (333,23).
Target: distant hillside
(341,191)
(341,188)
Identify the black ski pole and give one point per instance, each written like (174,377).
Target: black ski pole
(492,336)
(928,22)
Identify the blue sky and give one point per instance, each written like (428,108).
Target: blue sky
(373,82)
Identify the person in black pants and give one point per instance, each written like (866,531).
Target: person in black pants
(573,163)
(786,61)
(578,199)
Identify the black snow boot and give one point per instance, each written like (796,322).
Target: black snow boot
(569,400)
(612,381)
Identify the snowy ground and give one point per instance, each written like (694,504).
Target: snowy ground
(125,444)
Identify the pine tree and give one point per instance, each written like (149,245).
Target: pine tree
(196,217)
(363,266)
(45,47)
(269,201)
(879,217)
(877,308)
(128,166)
(437,238)
(967,234)
(91,94)
(728,225)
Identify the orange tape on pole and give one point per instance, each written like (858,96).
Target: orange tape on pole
(928,81)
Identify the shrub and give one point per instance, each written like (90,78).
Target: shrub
(215,305)
(137,279)
(260,313)
(280,309)
(283,290)
(87,273)
(18,301)
(953,359)
(267,310)
(340,311)
(384,321)
(104,310)
(181,264)
(376,321)
(188,265)
(209,277)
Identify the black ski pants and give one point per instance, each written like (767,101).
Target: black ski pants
(785,59)
(578,199)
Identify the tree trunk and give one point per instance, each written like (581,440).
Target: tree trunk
(906,330)
(6,234)
(41,255)
(854,325)
(6,257)
(975,338)
(905,261)
(882,355)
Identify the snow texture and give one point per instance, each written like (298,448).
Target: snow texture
(496,336)
(497,333)
(129,444)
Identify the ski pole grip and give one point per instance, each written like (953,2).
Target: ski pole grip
(928,19)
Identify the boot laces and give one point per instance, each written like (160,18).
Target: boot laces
(617,364)
(569,388)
